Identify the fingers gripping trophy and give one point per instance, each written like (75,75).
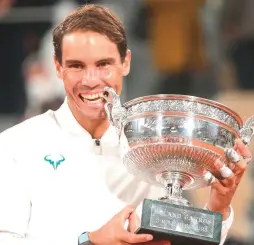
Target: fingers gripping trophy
(174,141)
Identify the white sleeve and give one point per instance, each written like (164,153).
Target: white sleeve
(16,206)
(226,224)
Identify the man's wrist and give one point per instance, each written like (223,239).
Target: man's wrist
(84,239)
(93,237)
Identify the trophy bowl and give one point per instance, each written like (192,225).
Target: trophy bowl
(178,138)
(174,141)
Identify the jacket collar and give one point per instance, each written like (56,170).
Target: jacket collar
(68,123)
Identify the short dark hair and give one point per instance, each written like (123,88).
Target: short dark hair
(95,18)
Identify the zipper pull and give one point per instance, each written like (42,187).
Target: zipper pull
(98,147)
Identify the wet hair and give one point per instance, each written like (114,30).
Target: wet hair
(95,18)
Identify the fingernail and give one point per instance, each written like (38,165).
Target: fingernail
(149,237)
(232,155)
(208,177)
(218,164)
(225,172)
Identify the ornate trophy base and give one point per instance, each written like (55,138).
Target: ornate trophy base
(181,225)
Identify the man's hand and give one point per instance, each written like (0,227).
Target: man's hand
(134,221)
(113,232)
(222,191)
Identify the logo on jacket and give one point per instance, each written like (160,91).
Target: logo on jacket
(54,160)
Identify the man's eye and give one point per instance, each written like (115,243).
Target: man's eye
(77,66)
(103,64)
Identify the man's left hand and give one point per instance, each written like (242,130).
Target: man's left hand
(133,225)
(222,191)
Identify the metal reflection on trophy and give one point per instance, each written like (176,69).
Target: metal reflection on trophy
(173,141)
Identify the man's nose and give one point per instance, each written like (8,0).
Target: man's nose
(91,77)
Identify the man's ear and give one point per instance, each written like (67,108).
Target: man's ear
(127,63)
(58,68)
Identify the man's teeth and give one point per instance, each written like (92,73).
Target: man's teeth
(99,100)
(93,98)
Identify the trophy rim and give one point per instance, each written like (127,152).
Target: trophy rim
(185,97)
(187,114)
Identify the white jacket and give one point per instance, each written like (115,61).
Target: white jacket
(55,183)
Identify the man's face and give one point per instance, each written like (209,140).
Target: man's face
(90,62)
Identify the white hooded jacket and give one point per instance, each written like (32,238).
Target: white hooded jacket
(56,183)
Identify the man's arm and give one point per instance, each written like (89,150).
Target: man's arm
(222,191)
(226,224)
(15,204)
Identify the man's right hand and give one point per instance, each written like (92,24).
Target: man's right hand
(114,233)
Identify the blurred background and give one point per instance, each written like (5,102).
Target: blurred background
(195,47)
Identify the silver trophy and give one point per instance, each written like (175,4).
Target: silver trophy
(173,141)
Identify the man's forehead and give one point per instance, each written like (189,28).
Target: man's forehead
(90,44)
(88,40)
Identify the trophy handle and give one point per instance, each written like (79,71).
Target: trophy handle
(116,113)
(246,135)
(247,132)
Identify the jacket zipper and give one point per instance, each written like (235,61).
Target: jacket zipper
(98,147)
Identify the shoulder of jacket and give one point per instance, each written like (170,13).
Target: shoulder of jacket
(29,127)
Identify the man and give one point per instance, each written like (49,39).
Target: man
(60,172)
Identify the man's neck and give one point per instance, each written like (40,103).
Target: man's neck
(96,128)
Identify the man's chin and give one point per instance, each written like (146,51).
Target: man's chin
(90,111)
(94,114)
